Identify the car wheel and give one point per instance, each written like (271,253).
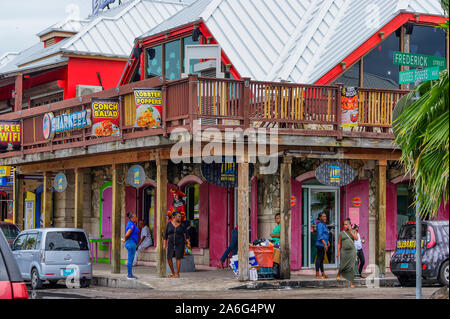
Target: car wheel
(404,281)
(36,282)
(443,274)
(85,283)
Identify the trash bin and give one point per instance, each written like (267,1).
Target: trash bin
(264,257)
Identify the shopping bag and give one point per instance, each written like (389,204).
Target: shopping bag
(252,259)
(234,264)
(253,274)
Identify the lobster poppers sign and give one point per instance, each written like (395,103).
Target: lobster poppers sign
(349,106)
(148,108)
(105,117)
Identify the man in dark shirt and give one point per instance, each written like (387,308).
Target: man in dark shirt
(233,247)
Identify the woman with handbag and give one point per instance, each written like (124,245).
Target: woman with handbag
(347,253)
(177,236)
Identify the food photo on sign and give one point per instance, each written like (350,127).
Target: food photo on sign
(105,117)
(148,108)
(10,135)
(349,106)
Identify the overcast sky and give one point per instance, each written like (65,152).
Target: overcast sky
(21,20)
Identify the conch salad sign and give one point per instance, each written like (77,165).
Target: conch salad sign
(148,108)
(10,135)
(349,105)
(105,117)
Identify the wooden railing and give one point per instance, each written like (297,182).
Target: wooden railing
(295,109)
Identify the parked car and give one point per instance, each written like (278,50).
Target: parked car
(434,252)
(10,231)
(53,254)
(12,285)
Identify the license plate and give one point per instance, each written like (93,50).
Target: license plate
(67,272)
(404,265)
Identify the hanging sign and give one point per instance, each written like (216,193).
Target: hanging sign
(148,108)
(419,60)
(293,201)
(10,135)
(349,107)
(5,171)
(356,201)
(105,117)
(60,182)
(223,174)
(52,124)
(136,176)
(335,174)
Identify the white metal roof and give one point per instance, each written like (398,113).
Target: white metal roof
(294,40)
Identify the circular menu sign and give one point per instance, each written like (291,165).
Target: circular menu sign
(356,201)
(47,126)
(335,174)
(136,176)
(60,182)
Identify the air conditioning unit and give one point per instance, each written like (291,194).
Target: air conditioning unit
(87,89)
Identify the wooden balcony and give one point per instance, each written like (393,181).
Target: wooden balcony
(295,109)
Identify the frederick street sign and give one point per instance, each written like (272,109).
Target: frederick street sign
(419,60)
(412,76)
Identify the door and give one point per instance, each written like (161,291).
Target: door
(29,254)
(30,206)
(323,200)
(107,212)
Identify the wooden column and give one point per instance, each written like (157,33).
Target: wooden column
(161,198)
(243,220)
(79,181)
(47,199)
(285,214)
(18,88)
(380,243)
(19,199)
(116,243)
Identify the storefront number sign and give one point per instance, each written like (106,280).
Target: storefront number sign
(10,135)
(335,174)
(52,124)
(148,108)
(105,117)
(349,106)
(136,176)
(223,174)
(60,182)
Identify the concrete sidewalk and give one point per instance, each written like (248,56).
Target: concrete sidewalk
(216,280)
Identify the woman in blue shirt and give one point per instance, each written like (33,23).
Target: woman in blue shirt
(131,239)
(322,244)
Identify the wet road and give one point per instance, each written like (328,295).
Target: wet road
(94,292)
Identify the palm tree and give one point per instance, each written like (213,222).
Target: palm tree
(422,132)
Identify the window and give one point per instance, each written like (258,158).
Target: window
(409,232)
(69,240)
(136,74)
(148,215)
(154,61)
(379,71)
(351,76)
(192,62)
(427,40)
(192,212)
(30,243)
(20,241)
(172,52)
(406,211)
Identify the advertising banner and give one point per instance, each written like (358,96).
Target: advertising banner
(105,117)
(10,135)
(349,106)
(52,124)
(148,108)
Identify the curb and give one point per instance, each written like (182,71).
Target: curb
(383,282)
(104,281)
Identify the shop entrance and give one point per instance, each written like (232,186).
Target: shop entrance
(319,199)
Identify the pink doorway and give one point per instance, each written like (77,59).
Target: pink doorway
(106,204)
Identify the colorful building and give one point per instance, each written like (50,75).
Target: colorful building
(295,66)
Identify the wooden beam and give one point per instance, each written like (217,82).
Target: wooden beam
(380,242)
(116,219)
(18,88)
(47,199)
(285,214)
(243,220)
(19,199)
(79,181)
(161,195)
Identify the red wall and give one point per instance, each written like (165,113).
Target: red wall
(84,71)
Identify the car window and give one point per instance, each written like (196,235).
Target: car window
(38,241)
(5,230)
(66,240)
(19,242)
(13,231)
(30,243)
(408,232)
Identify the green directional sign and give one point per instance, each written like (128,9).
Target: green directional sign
(412,76)
(419,60)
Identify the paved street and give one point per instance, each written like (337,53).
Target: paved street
(96,292)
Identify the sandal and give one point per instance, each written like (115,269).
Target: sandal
(171,276)
(318,277)
(176,276)
(324,277)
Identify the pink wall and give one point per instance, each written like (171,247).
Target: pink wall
(391,216)
(217,223)
(443,212)
(296,226)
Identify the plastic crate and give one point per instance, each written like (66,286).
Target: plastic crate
(265,273)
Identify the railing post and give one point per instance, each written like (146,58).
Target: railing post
(122,118)
(339,87)
(245,102)
(164,107)
(193,104)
